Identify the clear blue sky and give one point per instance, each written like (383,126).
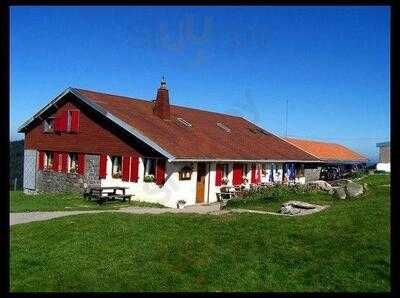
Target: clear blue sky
(330,63)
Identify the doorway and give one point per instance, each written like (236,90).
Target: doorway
(200,184)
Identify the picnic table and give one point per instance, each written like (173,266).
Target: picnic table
(100,194)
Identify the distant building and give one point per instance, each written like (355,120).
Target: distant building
(384,157)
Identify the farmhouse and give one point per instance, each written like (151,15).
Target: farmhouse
(163,153)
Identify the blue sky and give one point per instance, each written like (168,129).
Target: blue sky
(330,63)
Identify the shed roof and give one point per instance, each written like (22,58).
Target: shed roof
(327,151)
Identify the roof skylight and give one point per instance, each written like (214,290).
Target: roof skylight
(184,122)
(224,127)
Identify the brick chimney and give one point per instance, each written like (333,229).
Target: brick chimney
(161,104)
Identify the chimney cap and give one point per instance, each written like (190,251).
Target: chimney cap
(163,83)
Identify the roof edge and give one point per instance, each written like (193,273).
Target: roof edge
(105,113)
(336,144)
(241,160)
(318,159)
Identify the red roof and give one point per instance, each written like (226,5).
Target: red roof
(327,151)
(204,139)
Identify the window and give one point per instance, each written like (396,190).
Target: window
(116,166)
(69,118)
(299,170)
(48,160)
(73,162)
(225,171)
(245,169)
(264,169)
(149,169)
(149,166)
(48,125)
(184,122)
(223,126)
(185,173)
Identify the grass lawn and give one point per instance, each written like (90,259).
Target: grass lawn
(274,202)
(345,248)
(20,202)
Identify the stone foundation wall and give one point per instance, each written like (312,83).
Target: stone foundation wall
(312,174)
(92,164)
(50,181)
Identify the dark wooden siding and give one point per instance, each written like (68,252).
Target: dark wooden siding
(97,134)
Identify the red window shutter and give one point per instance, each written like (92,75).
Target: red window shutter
(125,168)
(74,121)
(103,166)
(57,124)
(258,173)
(160,171)
(218,175)
(237,174)
(56,162)
(64,121)
(134,169)
(81,163)
(64,163)
(253,173)
(41,160)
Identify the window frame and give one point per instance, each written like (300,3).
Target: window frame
(116,174)
(225,171)
(46,124)
(70,159)
(48,156)
(146,165)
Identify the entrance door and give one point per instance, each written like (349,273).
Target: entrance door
(201,179)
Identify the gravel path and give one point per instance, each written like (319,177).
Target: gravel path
(25,217)
(214,209)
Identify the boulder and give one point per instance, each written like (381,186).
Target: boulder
(289,209)
(340,192)
(354,189)
(322,185)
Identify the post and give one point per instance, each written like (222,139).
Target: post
(15,183)
(287,103)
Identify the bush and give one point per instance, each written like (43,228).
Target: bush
(279,192)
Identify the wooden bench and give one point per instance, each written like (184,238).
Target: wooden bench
(97,194)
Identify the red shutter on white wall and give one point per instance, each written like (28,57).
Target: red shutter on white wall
(134,169)
(56,162)
(160,171)
(218,175)
(103,166)
(41,160)
(253,173)
(64,163)
(237,174)
(81,163)
(125,168)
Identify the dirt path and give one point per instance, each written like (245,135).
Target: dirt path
(26,217)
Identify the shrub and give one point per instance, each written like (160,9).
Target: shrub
(279,192)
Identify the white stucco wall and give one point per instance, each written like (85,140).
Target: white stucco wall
(168,194)
(383,167)
(174,189)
